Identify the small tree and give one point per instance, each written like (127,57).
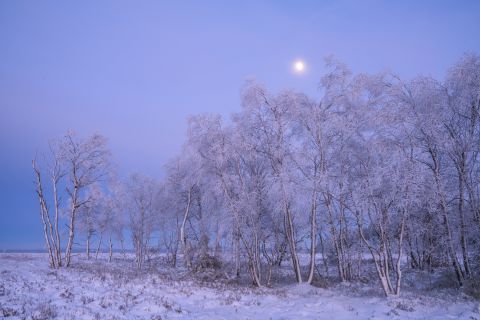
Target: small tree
(75,164)
(140,196)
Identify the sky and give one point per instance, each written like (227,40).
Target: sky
(133,71)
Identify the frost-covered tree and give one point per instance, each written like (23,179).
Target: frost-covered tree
(374,165)
(74,164)
(140,199)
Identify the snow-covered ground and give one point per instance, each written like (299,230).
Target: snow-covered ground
(99,290)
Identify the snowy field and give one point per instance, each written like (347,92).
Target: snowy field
(99,290)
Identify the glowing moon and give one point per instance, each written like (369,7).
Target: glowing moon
(299,66)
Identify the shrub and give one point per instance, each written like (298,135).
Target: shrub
(445,280)
(206,263)
(472,287)
(44,312)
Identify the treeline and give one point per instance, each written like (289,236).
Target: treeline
(377,166)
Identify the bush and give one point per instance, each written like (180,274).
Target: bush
(472,287)
(209,269)
(320,282)
(207,263)
(44,312)
(8,312)
(445,280)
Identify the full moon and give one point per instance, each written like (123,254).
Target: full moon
(299,66)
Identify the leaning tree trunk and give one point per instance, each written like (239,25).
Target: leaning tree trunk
(99,245)
(253,259)
(45,216)
(291,241)
(71,233)
(290,234)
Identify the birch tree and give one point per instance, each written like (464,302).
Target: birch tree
(76,164)
(141,194)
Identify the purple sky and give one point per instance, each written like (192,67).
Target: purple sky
(133,71)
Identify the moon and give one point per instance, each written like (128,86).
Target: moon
(299,66)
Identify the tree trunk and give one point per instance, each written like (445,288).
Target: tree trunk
(463,229)
(71,233)
(45,216)
(450,248)
(322,248)
(443,206)
(400,246)
(186,251)
(88,246)
(99,245)
(333,229)
(58,250)
(236,245)
(217,247)
(313,237)
(291,241)
(110,249)
(123,248)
